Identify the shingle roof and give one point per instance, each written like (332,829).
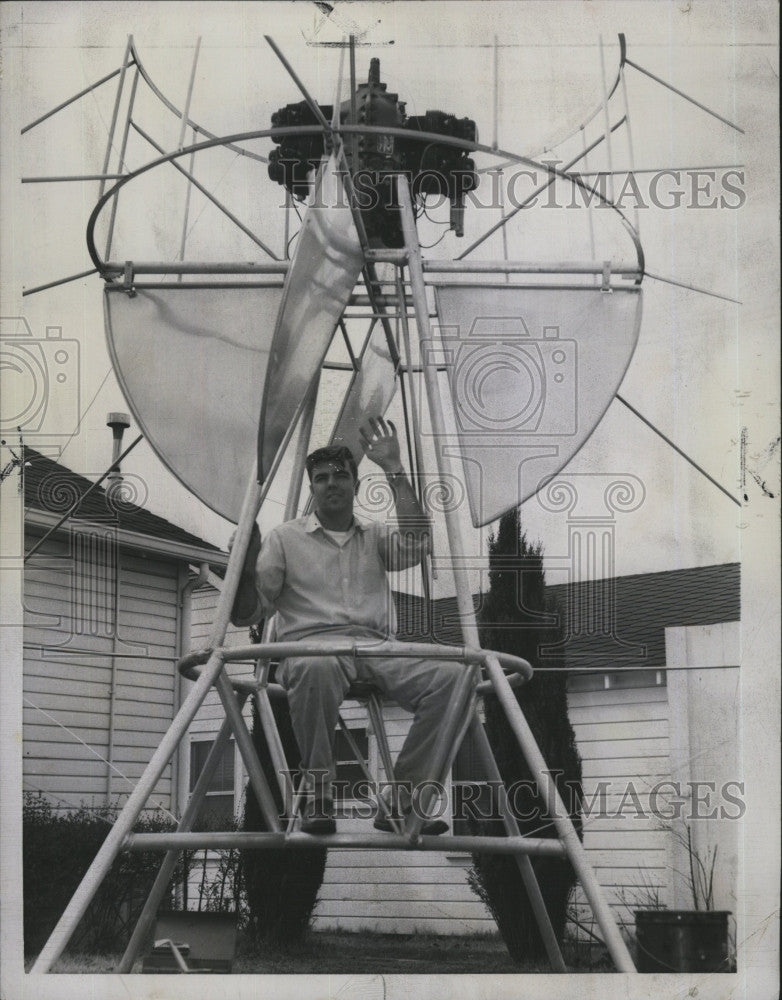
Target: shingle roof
(632,635)
(52,488)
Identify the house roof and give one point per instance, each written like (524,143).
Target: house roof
(615,622)
(50,489)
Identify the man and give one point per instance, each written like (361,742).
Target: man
(325,576)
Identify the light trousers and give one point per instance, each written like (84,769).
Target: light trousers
(317,686)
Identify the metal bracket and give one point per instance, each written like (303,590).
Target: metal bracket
(128,283)
(606,286)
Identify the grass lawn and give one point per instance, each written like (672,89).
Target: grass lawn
(354,954)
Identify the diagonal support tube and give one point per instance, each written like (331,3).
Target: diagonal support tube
(539,190)
(123,826)
(681,93)
(208,194)
(244,741)
(113,843)
(562,822)
(481,742)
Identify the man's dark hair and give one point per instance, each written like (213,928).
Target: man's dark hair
(333,453)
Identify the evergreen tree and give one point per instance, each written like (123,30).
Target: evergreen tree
(515,618)
(281,885)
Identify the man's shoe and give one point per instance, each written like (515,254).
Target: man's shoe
(318,817)
(431,827)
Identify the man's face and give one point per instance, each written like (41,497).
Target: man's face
(333,488)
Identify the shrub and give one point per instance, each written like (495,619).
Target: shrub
(58,848)
(514,619)
(281,886)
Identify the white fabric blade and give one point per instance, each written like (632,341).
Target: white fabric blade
(191,363)
(325,267)
(531,373)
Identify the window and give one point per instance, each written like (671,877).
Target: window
(635,678)
(217,810)
(472,799)
(349,772)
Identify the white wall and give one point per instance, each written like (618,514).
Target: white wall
(705,747)
(71,728)
(622,736)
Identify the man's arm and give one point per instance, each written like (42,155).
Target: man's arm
(261,580)
(381,445)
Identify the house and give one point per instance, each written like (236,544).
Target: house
(107,606)
(653,678)
(116,594)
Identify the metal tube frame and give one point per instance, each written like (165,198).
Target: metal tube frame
(375,713)
(555,807)
(481,742)
(349,130)
(537,846)
(123,825)
(204,190)
(186,216)
(539,190)
(459,713)
(681,93)
(630,148)
(607,133)
(127,60)
(121,160)
(70,100)
(191,84)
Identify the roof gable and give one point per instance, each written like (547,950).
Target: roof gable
(52,489)
(615,622)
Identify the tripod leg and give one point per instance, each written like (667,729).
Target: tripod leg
(522,860)
(556,809)
(124,824)
(446,744)
(245,743)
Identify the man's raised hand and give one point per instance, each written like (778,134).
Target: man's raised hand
(381,444)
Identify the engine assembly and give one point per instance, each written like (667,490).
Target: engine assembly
(374,158)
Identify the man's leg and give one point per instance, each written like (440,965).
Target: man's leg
(316,687)
(424,688)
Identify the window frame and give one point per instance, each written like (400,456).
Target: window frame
(229,755)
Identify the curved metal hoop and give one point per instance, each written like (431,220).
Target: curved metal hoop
(189,665)
(109,270)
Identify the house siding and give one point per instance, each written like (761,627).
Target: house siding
(70,641)
(623,739)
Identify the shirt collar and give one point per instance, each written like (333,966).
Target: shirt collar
(312,523)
